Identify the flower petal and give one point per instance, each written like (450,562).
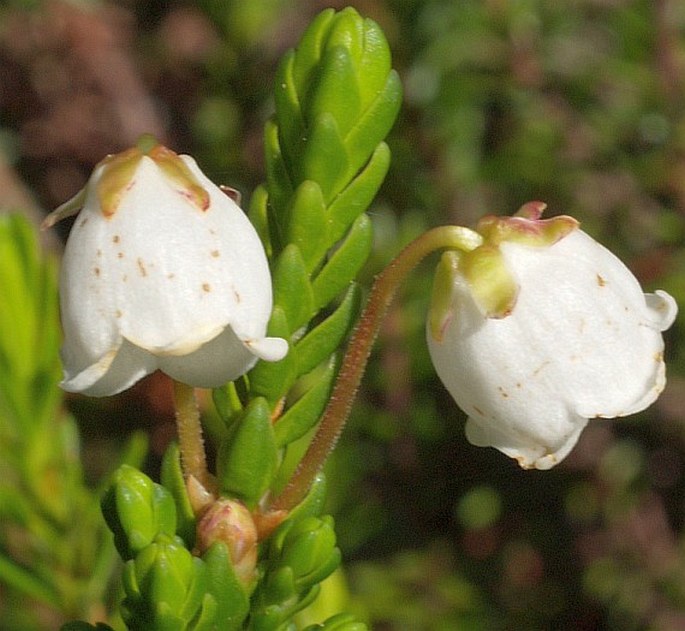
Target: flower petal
(222,359)
(527,453)
(115,372)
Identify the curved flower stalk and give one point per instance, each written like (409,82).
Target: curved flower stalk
(162,270)
(540,329)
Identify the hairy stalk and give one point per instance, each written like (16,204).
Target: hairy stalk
(189,428)
(359,348)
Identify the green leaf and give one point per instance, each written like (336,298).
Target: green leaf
(307,225)
(308,548)
(259,216)
(165,587)
(326,337)
(279,181)
(309,49)
(356,198)
(374,124)
(374,64)
(347,31)
(314,502)
(335,92)
(324,158)
(292,291)
(273,379)
(340,622)
(247,458)
(233,604)
(172,479)
(27,582)
(287,100)
(305,412)
(227,402)
(29,332)
(345,262)
(137,510)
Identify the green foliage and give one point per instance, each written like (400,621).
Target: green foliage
(137,511)
(341,622)
(165,585)
(247,459)
(336,99)
(166,588)
(300,555)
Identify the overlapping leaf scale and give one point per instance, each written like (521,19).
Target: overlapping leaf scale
(336,98)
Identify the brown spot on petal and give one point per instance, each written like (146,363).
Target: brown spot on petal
(477,409)
(116,238)
(503,392)
(540,368)
(215,254)
(118,313)
(97,271)
(206,287)
(141,267)
(600,281)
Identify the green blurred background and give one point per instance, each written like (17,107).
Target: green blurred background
(579,103)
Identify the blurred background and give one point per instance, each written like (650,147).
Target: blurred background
(579,103)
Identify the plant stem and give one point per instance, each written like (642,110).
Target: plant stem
(189,428)
(359,348)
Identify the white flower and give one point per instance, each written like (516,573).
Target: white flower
(162,270)
(541,329)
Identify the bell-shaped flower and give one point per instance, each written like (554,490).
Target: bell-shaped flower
(540,329)
(162,270)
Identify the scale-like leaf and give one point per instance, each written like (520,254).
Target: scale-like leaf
(305,412)
(359,194)
(327,336)
(374,124)
(292,291)
(247,458)
(345,262)
(307,226)
(324,158)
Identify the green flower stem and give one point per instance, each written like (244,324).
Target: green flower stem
(190,440)
(354,362)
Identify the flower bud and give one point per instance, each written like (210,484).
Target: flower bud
(229,522)
(540,329)
(162,270)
